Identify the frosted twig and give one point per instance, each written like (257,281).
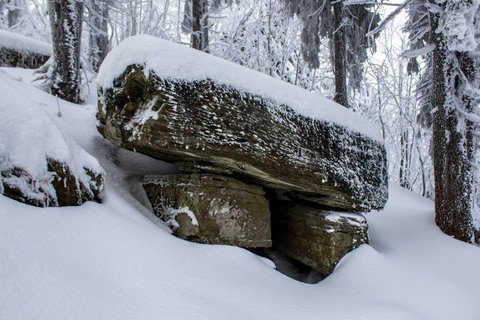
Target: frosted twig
(390,17)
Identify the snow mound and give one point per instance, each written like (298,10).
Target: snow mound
(39,164)
(174,61)
(21,43)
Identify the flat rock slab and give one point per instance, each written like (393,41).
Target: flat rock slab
(317,238)
(20,59)
(212,209)
(22,52)
(208,124)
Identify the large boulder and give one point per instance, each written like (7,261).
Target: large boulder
(39,164)
(211,209)
(181,105)
(315,237)
(23,52)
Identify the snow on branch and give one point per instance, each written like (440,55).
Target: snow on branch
(389,18)
(413,53)
(369,2)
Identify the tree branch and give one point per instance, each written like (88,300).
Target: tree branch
(389,18)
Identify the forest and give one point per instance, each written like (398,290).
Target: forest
(378,59)
(153,106)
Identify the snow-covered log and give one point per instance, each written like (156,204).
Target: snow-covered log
(19,51)
(180,105)
(39,164)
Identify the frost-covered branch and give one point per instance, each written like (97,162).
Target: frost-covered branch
(389,18)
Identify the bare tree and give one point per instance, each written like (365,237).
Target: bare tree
(15,9)
(454,100)
(2,13)
(66,24)
(98,31)
(195,22)
(339,54)
(346,27)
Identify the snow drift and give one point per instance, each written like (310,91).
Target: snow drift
(39,164)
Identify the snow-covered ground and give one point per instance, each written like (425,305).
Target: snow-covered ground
(111,261)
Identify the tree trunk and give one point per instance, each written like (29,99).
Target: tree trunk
(14,14)
(66,24)
(98,37)
(2,14)
(339,55)
(199,37)
(404,171)
(452,140)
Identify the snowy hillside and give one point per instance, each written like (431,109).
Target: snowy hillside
(111,261)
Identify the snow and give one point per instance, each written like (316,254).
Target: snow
(111,261)
(145,113)
(172,213)
(350,218)
(18,42)
(458,26)
(29,136)
(174,61)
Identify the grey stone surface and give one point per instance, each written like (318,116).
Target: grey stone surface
(315,237)
(202,124)
(21,59)
(213,209)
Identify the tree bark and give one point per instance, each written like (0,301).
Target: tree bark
(199,38)
(14,14)
(2,14)
(98,36)
(453,146)
(66,24)
(339,55)
(404,171)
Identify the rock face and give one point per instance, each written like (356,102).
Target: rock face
(22,52)
(208,125)
(210,208)
(315,237)
(234,133)
(20,59)
(57,187)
